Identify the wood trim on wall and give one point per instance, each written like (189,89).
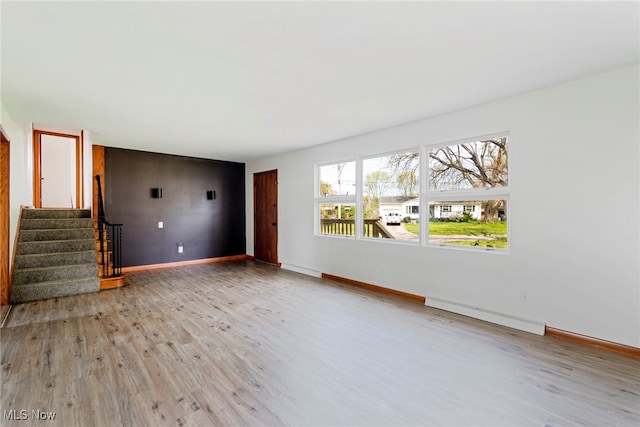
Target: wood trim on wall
(80,171)
(375,288)
(593,342)
(97,154)
(37,171)
(37,166)
(5,162)
(183,263)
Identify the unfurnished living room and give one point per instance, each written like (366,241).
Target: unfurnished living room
(320,213)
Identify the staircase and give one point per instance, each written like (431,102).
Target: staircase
(110,275)
(109,246)
(55,255)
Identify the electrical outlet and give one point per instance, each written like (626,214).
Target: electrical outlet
(180,249)
(160,224)
(525,296)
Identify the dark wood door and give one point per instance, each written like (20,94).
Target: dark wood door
(265,216)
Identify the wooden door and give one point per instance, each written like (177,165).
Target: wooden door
(57,181)
(4,219)
(265,216)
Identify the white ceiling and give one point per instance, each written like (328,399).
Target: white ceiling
(239,80)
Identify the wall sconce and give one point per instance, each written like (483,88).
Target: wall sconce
(156,193)
(211,195)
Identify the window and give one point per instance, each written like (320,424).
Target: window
(337,179)
(390,194)
(468,193)
(412,210)
(335,198)
(464,194)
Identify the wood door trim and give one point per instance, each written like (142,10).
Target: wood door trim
(37,166)
(5,177)
(97,156)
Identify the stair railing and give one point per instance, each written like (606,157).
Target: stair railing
(110,238)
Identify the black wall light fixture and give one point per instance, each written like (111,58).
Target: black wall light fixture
(211,195)
(156,193)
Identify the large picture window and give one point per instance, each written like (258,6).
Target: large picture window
(456,194)
(468,193)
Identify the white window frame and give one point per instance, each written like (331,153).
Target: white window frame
(462,195)
(360,177)
(344,199)
(426,195)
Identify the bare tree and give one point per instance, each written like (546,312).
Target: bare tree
(405,170)
(479,164)
(407,183)
(471,165)
(377,184)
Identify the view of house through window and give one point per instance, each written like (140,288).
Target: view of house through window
(464,202)
(479,223)
(468,185)
(390,196)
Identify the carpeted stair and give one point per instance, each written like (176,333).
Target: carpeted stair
(55,255)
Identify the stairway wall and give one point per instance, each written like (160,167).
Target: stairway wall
(55,255)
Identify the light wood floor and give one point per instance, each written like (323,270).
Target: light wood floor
(247,344)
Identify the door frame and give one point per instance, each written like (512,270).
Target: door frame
(5,205)
(37,166)
(274,243)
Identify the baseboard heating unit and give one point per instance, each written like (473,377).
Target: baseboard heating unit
(526,325)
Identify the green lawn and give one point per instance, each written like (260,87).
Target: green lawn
(498,230)
(489,234)
(493,243)
(468,228)
(473,228)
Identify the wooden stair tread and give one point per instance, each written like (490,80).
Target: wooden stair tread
(112,282)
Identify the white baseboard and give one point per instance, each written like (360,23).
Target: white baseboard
(301,270)
(526,325)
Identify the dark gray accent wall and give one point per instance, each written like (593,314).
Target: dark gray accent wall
(206,228)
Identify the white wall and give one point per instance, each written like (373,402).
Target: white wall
(87,167)
(573,214)
(20,169)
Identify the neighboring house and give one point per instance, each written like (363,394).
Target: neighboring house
(445,210)
(394,204)
(411,208)
(408,206)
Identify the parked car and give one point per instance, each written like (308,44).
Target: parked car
(393,218)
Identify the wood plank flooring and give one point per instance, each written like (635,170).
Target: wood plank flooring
(248,344)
